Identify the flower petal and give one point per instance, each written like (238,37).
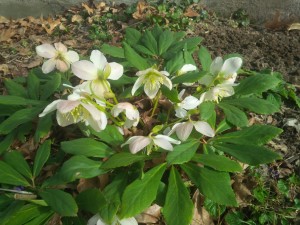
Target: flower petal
(163,143)
(180,112)
(128,221)
(66,119)
(169,139)
(116,71)
(190,102)
(66,106)
(60,47)
(137,143)
(231,66)
(167,82)
(184,130)
(137,84)
(50,108)
(72,56)
(49,66)
(187,68)
(46,51)
(151,89)
(204,128)
(206,80)
(85,70)
(62,66)
(94,220)
(216,66)
(98,59)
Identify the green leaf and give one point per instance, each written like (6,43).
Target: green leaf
(175,63)
(91,200)
(171,95)
(14,88)
(43,127)
(250,154)
(132,36)
(206,110)
(16,160)
(113,51)
(16,100)
(18,118)
(41,157)
(234,115)
(166,39)
(189,77)
(10,211)
(213,208)
(256,84)
(183,153)
(218,162)
(87,147)
(215,185)
(123,80)
(178,208)
(110,135)
(134,58)
(123,159)
(149,41)
(142,49)
(9,175)
(142,192)
(7,141)
(50,86)
(256,105)
(42,218)
(255,135)
(33,86)
(61,202)
(205,58)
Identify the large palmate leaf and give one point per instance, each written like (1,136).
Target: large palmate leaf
(142,192)
(178,208)
(213,184)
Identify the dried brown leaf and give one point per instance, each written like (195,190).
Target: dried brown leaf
(85,184)
(89,10)
(150,215)
(201,216)
(77,18)
(49,25)
(4,19)
(4,69)
(294,26)
(190,13)
(7,34)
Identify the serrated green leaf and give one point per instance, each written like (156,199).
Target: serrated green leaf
(9,175)
(255,135)
(178,208)
(87,147)
(250,154)
(142,49)
(113,51)
(134,58)
(10,211)
(205,58)
(213,208)
(42,218)
(218,162)
(234,115)
(15,88)
(149,41)
(50,86)
(33,86)
(256,105)
(123,80)
(16,100)
(213,184)
(183,153)
(41,157)
(166,39)
(61,202)
(189,77)
(132,36)
(110,135)
(172,95)
(175,63)
(142,192)
(256,84)
(206,110)
(7,141)
(123,159)
(16,160)
(43,127)
(91,200)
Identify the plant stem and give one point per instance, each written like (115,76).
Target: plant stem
(155,104)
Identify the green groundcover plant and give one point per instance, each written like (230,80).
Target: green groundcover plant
(148,122)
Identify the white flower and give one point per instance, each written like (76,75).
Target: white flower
(190,102)
(97,72)
(77,109)
(225,71)
(58,56)
(137,143)
(97,220)
(186,68)
(218,92)
(131,112)
(152,80)
(183,130)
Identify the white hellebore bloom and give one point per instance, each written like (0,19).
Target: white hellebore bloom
(187,68)
(97,220)
(183,130)
(137,143)
(77,109)
(152,80)
(217,92)
(190,102)
(58,56)
(97,72)
(225,71)
(131,112)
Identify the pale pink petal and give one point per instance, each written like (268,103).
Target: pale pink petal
(231,66)
(49,66)
(66,106)
(50,108)
(72,56)
(98,59)
(46,50)
(62,66)
(85,70)
(184,130)
(137,84)
(216,66)
(60,47)
(204,128)
(116,71)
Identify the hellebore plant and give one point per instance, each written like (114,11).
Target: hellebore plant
(118,150)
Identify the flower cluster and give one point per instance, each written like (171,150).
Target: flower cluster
(94,103)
